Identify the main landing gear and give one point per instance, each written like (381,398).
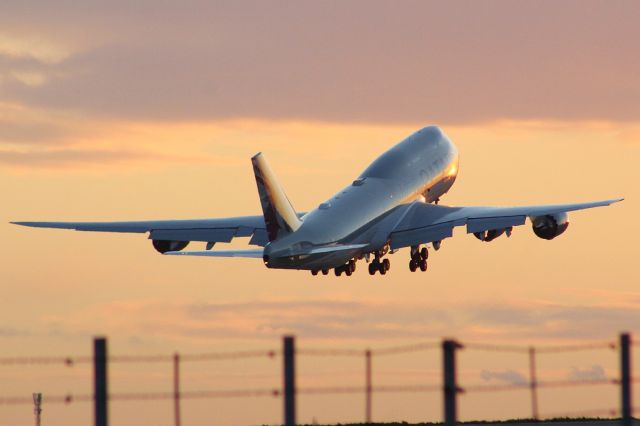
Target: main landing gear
(381,266)
(419,258)
(348,269)
(378,264)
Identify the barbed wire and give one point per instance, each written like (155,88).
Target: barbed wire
(70,361)
(212,394)
(417,347)
(46,360)
(541,349)
(272,353)
(330,352)
(539,384)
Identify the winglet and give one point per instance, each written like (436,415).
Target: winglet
(279,216)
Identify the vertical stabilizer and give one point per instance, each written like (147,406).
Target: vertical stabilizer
(279,216)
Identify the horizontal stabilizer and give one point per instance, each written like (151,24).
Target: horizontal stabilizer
(257,253)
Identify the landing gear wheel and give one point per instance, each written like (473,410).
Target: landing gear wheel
(381,268)
(413,265)
(372,269)
(338,272)
(387,265)
(325,272)
(348,271)
(352,266)
(423,265)
(424,253)
(314,272)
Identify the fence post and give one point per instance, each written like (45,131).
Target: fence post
(625,379)
(450,383)
(533,383)
(289,381)
(100,380)
(176,388)
(37,409)
(367,414)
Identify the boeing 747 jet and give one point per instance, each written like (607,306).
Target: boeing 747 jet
(393,204)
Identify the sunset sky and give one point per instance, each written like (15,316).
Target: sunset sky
(152,109)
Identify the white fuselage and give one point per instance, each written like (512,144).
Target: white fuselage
(422,167)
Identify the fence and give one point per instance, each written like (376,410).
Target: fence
(449,387)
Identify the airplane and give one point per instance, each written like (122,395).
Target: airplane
(393,204)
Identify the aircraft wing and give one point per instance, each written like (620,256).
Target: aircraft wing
(207,230)
(425,223)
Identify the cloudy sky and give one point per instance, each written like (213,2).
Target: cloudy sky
(152,109)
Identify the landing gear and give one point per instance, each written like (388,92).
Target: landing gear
(348,268)
(423,265)
(413,265)
(424,253)
(325,272)
(418,259)
(314,272)
(381,266)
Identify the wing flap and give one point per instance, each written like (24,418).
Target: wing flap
(326,249)
(257,253)
(223,235)
(490,223)
(423,235)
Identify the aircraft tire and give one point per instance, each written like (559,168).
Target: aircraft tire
(348,271)
(372,269)
(386,264)
(338,272)
(413,265)
(325,272)
(314,272)
(424,253)
(423,265)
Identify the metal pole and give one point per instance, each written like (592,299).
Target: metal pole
(450,384)
(367,414)
(625,379)
(100,380)
(533,383)
(37,409)
(289,381)
(176,388)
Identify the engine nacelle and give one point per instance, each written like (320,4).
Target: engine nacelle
(164,246)
(550,226)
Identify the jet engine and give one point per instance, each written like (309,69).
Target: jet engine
(164,246)
(550,226)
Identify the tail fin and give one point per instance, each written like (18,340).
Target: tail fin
(279,216)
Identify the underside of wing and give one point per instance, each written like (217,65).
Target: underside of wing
(425,223)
